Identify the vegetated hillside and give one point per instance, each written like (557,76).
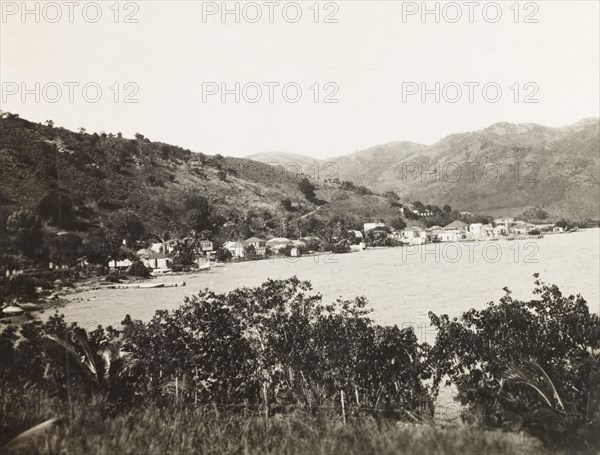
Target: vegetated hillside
(89,178)
(503,169)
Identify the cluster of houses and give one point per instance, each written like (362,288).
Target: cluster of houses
(275,245)
(458,231)
(159,255)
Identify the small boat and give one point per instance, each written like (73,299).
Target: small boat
(204,267)
(12,310)
(149,285)
(30,306)
(145,285)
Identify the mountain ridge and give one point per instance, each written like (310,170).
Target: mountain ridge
(564,161)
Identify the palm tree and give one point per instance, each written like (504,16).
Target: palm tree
(102,367)
(551,419)
(532,375)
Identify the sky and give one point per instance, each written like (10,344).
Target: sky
(159,68)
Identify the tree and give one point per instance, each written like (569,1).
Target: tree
(126,226)
(223,255)
(57,207)
(98,248)
(314,225)
(25,231)
(307,189)
(198,213)
(278,344)
(553,334)
(18,287)
(221,175)
(447,209)
(138,269)
(398,224)
(250,252)
(104,365)
(163,221)
(286,203)
(419,206)
(185,254)
(64,249)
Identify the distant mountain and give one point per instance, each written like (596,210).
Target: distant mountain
(282,158)
(503,169)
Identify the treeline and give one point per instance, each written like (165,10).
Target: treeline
(517,365)
(539,215)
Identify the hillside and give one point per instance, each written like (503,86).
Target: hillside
(502,169)
(81,181)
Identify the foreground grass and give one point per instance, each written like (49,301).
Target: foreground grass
(181,429)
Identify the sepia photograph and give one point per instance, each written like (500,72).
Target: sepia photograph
(303,227)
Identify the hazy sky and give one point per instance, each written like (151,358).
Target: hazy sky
(369,54)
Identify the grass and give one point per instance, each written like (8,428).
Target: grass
(151,429)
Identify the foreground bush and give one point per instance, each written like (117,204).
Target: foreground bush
(277,345)
(532,365)
(271,361)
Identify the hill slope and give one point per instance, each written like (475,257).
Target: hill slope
(105,176)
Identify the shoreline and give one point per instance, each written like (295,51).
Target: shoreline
(61,297)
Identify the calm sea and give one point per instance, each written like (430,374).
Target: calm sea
(402,284)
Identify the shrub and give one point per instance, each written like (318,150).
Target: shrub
(286,203)
(307,189)
(113,277)
(223,255)
(138,269)
(278,345)
(20,287)
(556,334)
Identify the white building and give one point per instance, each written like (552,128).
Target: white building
(155,260)
(457,230)
(449,236)
(475,230)
(480,230)
(506,221)
(414,235)
(235,248)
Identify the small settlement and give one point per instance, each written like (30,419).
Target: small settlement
(159,256)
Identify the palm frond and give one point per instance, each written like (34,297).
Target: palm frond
(84,366)
(28,435)
(82,338)
(531,374)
